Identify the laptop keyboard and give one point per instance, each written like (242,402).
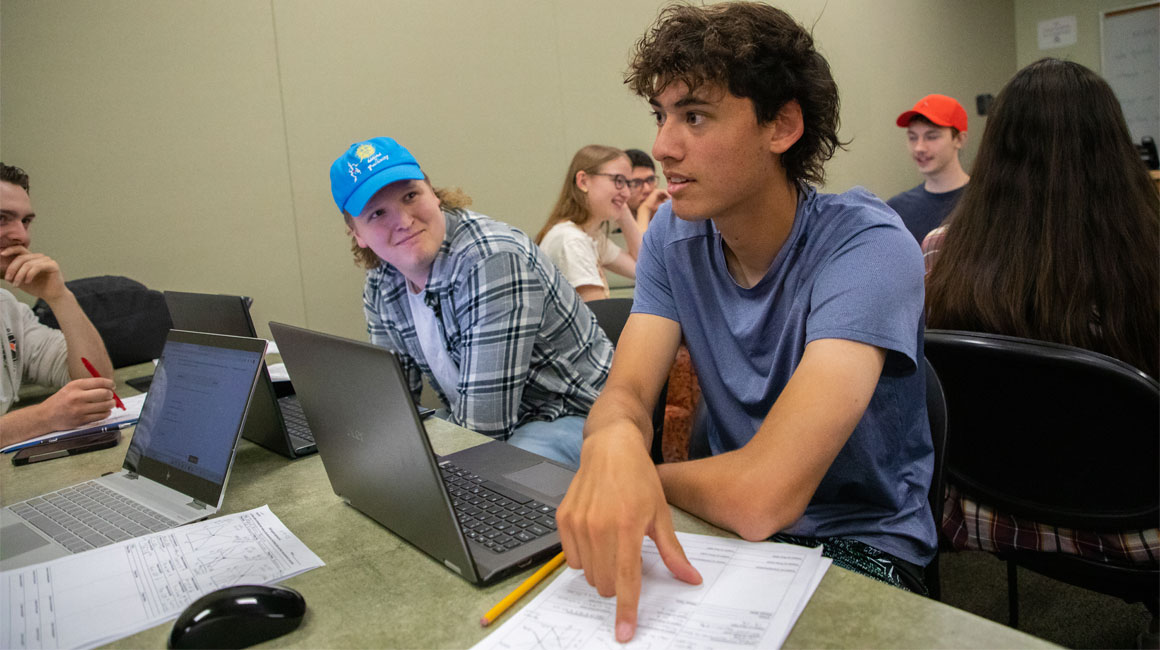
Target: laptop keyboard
(492,515)
(89,515)
(295,420)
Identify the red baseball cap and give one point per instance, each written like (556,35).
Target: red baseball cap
(939,109)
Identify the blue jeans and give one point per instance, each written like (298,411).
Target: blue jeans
(559,439)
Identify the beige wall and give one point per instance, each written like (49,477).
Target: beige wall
(186,144)
(1086,51)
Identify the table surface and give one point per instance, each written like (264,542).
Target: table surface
(378,591)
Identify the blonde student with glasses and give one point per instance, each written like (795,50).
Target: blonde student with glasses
(575,238)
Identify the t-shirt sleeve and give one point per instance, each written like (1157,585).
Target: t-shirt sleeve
(653,293)
(609,251)
(871,291)
(574,253)
(46,362)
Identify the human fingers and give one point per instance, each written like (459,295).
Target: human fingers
(628,567)
(565,526)
(672,553)
(14,258)
(22,268)
(93,411)
(13,251)
(92,383)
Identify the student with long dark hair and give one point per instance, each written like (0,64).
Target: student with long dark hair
(1057,238)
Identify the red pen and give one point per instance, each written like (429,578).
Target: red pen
(93,372)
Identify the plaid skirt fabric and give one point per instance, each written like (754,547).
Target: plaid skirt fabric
(968,525)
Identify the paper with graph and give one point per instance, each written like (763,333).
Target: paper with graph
(90,598)
(751,596)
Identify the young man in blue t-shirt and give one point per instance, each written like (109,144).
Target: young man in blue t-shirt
(802,313)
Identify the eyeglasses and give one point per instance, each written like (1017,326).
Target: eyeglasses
(618,181)
(637,183)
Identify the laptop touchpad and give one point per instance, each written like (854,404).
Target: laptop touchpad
(544,478)
(19,538)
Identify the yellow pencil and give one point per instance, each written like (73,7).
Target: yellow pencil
(525,587)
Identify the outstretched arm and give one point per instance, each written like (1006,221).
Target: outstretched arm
(616,498)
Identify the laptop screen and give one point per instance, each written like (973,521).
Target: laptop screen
(191,419)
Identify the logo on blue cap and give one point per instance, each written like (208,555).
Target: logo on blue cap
(368,167)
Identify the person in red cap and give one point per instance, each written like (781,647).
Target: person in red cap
(936,129)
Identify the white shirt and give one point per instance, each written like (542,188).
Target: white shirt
(438,359)
(32,351)
(579,256)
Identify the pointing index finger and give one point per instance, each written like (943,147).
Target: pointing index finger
(628,567)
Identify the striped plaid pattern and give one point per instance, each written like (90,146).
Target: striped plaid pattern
(973,526)
(526,346)
(931,245)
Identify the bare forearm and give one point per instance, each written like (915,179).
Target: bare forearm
(644,215)
(730,491)
(22,424)
(633,236)
(82,337)
(616,408)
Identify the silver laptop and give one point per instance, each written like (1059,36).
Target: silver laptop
(483,512)
(176,468)
(275,420)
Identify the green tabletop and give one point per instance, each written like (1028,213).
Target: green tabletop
(377,591)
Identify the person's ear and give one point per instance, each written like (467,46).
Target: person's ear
(960,139)
(582,181)
(350,230)
(787,127)
(432,189)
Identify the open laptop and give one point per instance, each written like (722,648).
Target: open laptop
(483,512)
(275,421)
(176,468)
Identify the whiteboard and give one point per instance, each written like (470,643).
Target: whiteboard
(1130,50)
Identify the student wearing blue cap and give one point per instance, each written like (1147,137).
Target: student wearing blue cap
(471,304)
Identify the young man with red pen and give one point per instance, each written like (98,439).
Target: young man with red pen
(33,352)
(801,310)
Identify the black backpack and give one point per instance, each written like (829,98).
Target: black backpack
(131,318)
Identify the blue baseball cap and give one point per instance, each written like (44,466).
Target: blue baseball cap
(368,167)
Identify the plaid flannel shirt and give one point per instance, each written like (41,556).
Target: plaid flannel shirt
(526,347)
(973,526)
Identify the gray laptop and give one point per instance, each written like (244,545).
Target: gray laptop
(275,420)
(483,512)
(176,468)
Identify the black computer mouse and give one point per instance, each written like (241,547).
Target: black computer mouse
(238,617)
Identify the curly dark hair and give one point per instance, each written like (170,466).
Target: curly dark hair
(15,175)
(755,51)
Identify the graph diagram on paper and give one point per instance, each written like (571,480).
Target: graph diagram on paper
(115,590)
(750,597)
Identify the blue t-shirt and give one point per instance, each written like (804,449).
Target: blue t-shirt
(849,270)
(923,211)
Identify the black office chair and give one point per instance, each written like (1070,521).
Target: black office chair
(1058,435)
(132,319)
(936,411)
(611,314)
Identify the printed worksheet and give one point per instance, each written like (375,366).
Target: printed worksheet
(751,596)
(90,598)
